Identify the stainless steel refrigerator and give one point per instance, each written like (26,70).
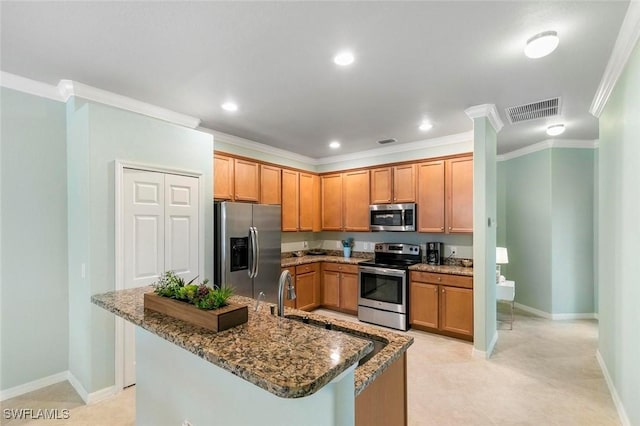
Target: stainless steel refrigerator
(247,248)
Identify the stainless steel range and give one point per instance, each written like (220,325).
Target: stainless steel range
(383,294)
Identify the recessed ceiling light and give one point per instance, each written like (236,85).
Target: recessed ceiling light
(425,125)
(334,145)
(541,44)
(343,58)
(230,106)
(555,130)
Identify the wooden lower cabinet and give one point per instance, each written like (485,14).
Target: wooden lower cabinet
(423,304)
(441,303)
(290,303)
(384,401)
(307,287)
(340,287)
(456,310)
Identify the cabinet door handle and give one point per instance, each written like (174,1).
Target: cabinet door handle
(442,228)
(449,228)
(440,279)
(443,290)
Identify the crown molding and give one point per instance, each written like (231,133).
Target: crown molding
(466,137)
(69,88)
(32,87)
(486,110)
(625,43)
(547,144)
(256,146)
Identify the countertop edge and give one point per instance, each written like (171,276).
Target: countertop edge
(304,389)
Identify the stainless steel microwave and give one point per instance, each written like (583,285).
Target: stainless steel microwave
(392,217)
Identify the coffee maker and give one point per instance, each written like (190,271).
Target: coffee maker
(434,252)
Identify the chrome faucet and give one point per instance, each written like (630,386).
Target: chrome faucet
(285,277)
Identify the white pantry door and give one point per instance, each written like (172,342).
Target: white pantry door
(160,233)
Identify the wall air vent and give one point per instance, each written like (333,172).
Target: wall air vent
(386,141)
(535,110)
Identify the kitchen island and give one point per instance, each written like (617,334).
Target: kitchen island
(270,370)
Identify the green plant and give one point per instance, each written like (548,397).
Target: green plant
(204,297)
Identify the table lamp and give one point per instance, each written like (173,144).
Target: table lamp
(502,258)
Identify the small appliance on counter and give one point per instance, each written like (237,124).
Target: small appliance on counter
(434,253)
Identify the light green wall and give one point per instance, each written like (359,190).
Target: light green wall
(528,227)
(33,263)
(116,134)
(619,237)
(393,157)
(572,230)
(547,208)
(359,161)
(484,234)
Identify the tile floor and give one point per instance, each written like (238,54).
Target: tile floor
(542,373)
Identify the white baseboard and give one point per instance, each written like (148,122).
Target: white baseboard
(476,353)
(93,397)
(88,398)
(622,413)
(32,386)
(559,317)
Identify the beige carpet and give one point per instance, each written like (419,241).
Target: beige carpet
(542,373)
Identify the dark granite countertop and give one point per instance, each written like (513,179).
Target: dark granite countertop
(282,356)
(443,269)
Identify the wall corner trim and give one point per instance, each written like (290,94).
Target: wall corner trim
(33,385)
(456,138)
(547,144)
(625,43)
(255,146)
(486,110)
(477,353)
(69,88)
(556,317)
(32,87)
(622,413)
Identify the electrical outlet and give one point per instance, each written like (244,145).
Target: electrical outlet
(454,250)
(305,244)
(338,244)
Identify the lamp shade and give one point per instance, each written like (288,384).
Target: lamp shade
(502,257)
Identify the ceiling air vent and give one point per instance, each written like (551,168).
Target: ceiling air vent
(386,141)
(532,111)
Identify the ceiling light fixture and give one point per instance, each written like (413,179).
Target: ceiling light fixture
(425,125)
(555,130)
(334,145)
(343,58)
(230,106)
(541,44)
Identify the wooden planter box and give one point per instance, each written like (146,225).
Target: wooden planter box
(215,320)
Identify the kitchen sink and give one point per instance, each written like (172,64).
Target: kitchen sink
(378,345)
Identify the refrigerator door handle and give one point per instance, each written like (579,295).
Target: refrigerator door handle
(254,252)
(251,250)
(256,259)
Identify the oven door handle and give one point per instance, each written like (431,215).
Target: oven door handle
(382,271)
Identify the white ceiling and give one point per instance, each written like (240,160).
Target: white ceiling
(414,60)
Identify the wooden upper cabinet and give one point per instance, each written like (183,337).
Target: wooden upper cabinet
(431,211)
(394,184)
(222,177)
(331,189)
(381,185)
(459,190)
(270,184)
(306,202)
(290,200)
(355,200)
(404,183)
(317,205)
(247,181)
